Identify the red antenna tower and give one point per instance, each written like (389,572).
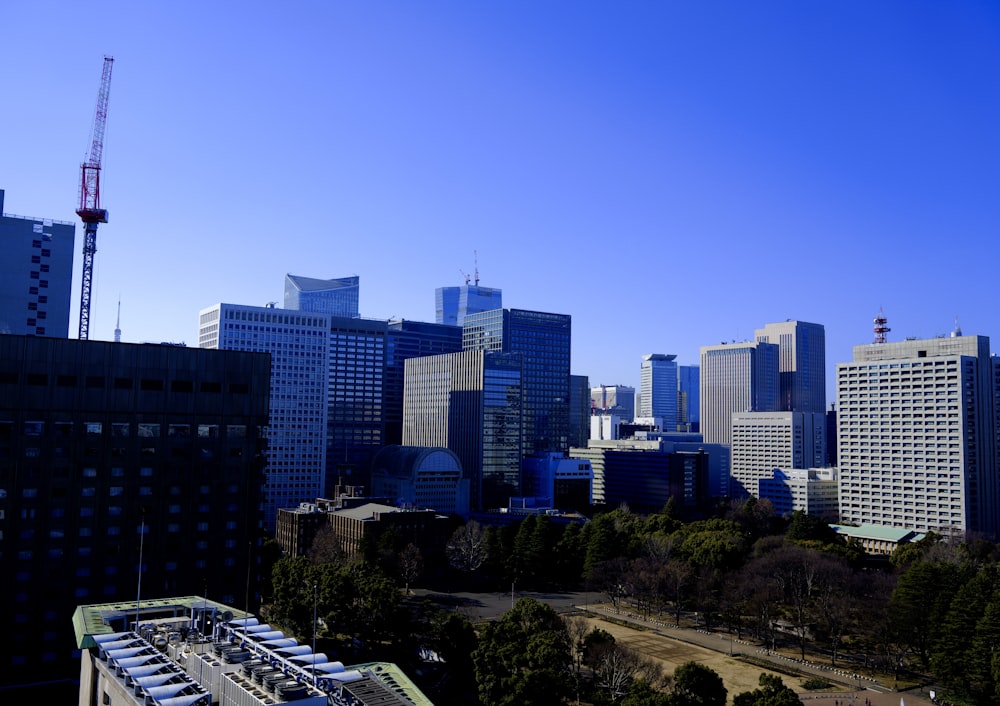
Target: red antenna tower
(90,211)
(881,328)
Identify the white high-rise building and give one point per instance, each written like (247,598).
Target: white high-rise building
(613,399)
(658,383)
(736,377)
(764,441)
(802,364)
(298,342)
(917,435)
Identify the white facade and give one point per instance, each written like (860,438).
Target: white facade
(916,432)
(763,441)
(658,380)
(813,491)
(605,427)
(298,344)
(736,377)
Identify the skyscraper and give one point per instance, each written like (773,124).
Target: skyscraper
(543,340)
(802,364)
(736,377)
(688,398)
(410,339)
(298,343)
(917,426)
(471,403)
(355,398)
(336,297)
(579,410)
(104,447)
(36,273)
(658,383)
(763,441)
(453,304)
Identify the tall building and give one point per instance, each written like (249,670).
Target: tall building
(109,452)
(579,410)
(543,340)
(736,377)
(453,304)
(36,274)
(298,343)
(917,435)
(802,364)
(618,400)
(470,402)
(688,398)
(336,297)
(356,399)
(763,441)
(410,339)
(658,383)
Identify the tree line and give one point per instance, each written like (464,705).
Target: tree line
(776,581)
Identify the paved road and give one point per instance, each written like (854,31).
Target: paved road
(489,606)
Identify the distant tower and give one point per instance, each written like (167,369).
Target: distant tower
(118,323)
(881,327)
(802,364)
(453,304)
(659,388)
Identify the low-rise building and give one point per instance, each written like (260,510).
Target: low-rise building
(190,651)
(813,491)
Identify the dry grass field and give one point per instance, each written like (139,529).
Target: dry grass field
(736,675)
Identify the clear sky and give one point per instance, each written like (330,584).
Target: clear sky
(672,174)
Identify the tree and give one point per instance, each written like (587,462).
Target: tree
(466,549)
(524,658)
(772,692)
(698,685)
(616,667)
(325,548)
(411,565)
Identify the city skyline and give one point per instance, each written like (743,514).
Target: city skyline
(847,149)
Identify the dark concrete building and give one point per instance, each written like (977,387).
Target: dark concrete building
(112,451)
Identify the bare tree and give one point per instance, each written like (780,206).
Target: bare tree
(411,565)
(616,667)
(326,547)
(467,548)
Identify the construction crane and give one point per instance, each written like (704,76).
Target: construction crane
(90,211)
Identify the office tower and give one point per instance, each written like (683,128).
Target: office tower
(579,410)
(36,273)
(810,490)
(104,447)
(453,304)
(763,441)
(736,377)
(658,383)
(917,424)
(410,339)
(355,400)
(298,343)
(618,400)
(470,402)
(688,399)
(543,340)
(336,297)
(802,364)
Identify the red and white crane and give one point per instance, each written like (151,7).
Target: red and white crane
(90,211)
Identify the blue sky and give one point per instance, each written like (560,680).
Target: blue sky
(672,174)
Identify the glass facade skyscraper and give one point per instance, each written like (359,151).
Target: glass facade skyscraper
(471,403)
(688,399)
(36,273)
(410,339)
(453,304)
(543,340)
(802,364)
(336,297)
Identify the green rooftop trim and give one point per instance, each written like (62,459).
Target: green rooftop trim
(394,677)
(89,620)
(881,532)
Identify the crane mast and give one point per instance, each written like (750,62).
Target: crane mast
(90,211)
